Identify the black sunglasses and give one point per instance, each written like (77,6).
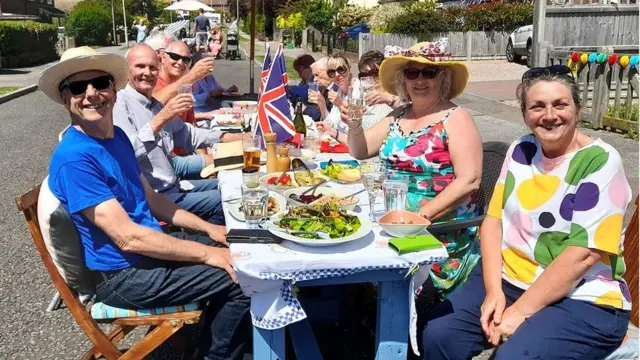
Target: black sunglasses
(340,70)
(80,86)
(562,70)
(371,73)
(178,57)
(427,73)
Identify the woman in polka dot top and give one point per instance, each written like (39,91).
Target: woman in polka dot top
(550,285)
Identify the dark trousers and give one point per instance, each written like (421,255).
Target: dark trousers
(567,329)
(203,200)
(154,283)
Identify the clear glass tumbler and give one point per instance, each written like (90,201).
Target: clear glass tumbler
(395,190)
(254,204)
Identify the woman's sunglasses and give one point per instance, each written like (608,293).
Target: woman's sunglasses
(177,57)
(80,86)
(340,70)
(427,73)
(562,70)
(370,73)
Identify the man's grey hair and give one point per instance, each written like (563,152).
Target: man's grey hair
(321,64)
(160,39)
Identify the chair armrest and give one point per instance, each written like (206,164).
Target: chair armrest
(455,225)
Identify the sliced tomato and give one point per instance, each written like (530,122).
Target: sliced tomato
(285,180)
(272,181)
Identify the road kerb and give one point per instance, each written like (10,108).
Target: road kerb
(16,94)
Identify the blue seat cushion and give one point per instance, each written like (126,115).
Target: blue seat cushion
(103,311)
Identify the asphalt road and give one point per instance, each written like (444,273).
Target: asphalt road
(29,127)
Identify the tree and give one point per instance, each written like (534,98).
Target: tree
(89,23)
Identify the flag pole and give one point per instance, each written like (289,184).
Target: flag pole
(252,47)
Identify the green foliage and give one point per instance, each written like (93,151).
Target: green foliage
(320,14)
(295,21)
(163,17)
(624,112)
(23,37)
(383,15)
(424,18)
(351,15)
(260,21)
(89,24)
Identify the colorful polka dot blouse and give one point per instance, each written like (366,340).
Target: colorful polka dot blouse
(578,199)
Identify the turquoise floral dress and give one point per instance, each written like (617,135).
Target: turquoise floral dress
(423,157)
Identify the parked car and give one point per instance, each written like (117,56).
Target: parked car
(520,44)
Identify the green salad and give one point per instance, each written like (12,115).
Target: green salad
(328,218)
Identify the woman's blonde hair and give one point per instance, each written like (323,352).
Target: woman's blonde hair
(443,77)
(337,60)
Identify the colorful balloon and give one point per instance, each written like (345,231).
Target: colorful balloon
(575,57)
(613,59)
(569,63)
(601,58)
(592,57)
(584,58)
(624,61)
(633,61)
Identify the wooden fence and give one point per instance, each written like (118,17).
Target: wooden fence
(471,45)
(608,93)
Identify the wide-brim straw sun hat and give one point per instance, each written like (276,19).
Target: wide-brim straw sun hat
(79,59)
(430,53)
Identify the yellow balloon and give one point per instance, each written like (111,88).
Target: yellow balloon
(624,61)
(569,63)
(584,58)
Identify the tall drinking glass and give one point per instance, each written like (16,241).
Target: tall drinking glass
(395,190)
(251,146)
(372,175)
(355,108)
(254,204)
(185,89)
(312,143)
(367,84)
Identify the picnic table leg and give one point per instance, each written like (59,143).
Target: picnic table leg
(268,344)
(304,342)
(392,329)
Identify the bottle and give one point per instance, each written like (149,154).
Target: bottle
(284,161)
(298,121)
(272,157)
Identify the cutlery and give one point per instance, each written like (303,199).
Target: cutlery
(355,193)
(313,188)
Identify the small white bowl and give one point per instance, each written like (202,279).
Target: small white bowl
(390,223)
(324,190)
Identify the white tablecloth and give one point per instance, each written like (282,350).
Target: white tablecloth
(267,272)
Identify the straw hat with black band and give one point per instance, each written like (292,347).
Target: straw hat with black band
(430,53)
(77,60)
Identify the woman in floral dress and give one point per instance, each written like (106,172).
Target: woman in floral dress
(434,144)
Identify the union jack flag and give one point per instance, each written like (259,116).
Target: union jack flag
(274,114)
(280,59)
(265,70)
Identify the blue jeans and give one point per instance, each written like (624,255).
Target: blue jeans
(567,329)
(203,200)
(154,283)
(188,167)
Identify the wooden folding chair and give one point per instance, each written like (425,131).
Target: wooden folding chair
(162,326)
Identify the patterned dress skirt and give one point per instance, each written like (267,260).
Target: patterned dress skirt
(423,158)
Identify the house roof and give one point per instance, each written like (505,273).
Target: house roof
(52,11)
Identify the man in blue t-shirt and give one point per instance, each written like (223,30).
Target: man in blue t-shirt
(201,30)
(95,175)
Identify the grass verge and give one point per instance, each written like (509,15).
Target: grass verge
(293,75)
(4,90)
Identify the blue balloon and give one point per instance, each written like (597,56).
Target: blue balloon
(633,61)
(592,57)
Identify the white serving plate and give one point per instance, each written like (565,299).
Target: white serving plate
(234,208)
(365,227)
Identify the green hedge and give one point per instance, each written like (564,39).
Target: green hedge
(423,18)
(22,38)
(89,23)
